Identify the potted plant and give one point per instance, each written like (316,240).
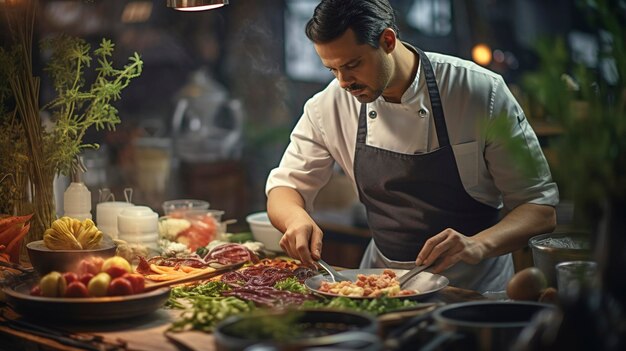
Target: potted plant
(33,153)
(589,105)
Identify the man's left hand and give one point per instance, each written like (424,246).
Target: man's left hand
(448,248)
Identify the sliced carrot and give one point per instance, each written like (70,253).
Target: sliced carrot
(13,249)
(164,277)
(8,221)
(192,270)
(10,232)
(162,269)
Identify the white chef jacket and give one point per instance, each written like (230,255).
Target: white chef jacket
(471,95)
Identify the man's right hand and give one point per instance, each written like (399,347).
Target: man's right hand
(303,241)
(302,238)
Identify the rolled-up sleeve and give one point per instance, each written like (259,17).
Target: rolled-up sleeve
(517,182)
(306,164)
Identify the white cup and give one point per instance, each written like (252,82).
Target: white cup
(106,216)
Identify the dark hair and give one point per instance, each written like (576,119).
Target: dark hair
(367,18)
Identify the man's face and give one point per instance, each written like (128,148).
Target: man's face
(362,70)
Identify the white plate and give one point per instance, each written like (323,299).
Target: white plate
(425,283)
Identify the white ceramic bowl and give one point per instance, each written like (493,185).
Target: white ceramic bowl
(263,231)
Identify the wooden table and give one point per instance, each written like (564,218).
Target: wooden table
(149,332)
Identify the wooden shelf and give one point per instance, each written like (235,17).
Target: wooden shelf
(546,129)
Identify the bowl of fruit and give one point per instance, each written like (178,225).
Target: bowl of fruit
(96,289)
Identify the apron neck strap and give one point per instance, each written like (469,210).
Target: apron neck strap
(435,99)
(435,102)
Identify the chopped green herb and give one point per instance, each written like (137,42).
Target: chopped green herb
(206,312)
(291,284)
(374,306)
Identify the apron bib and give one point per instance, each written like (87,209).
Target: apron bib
(410,198)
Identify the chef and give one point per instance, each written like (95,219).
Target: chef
(408,128)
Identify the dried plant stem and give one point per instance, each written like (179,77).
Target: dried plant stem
(39,153)
(39,193)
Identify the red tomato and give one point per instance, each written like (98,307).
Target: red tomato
(36,290)
(116,271)
(200,233)
(137,281)
(76,289)
(70,277)
(120,287)
(85,277)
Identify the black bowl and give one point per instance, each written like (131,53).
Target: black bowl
(45,260)
(304,329)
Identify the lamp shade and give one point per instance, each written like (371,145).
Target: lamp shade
(195,5)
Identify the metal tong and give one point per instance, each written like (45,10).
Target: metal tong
(404,279)
(337,277)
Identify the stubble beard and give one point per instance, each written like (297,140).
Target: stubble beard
(383,79)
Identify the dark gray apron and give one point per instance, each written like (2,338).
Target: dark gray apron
(410,198)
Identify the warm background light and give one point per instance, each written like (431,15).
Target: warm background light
(137,11)
(481,54)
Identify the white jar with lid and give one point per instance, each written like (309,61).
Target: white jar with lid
(77,201)
(138,225)
(106,216)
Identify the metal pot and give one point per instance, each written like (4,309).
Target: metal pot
(317,329)
(552,248)
(480,325)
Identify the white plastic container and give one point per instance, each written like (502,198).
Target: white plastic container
(138,225)
(181,205)
(106,216)
(77,201)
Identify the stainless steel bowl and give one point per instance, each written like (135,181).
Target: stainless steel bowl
(552,248)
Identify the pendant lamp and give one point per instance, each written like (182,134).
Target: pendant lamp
(195,5)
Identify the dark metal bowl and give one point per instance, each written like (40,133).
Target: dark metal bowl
(315,328)
(45,260)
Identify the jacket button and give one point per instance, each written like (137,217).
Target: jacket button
(422,112)
(372,114)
